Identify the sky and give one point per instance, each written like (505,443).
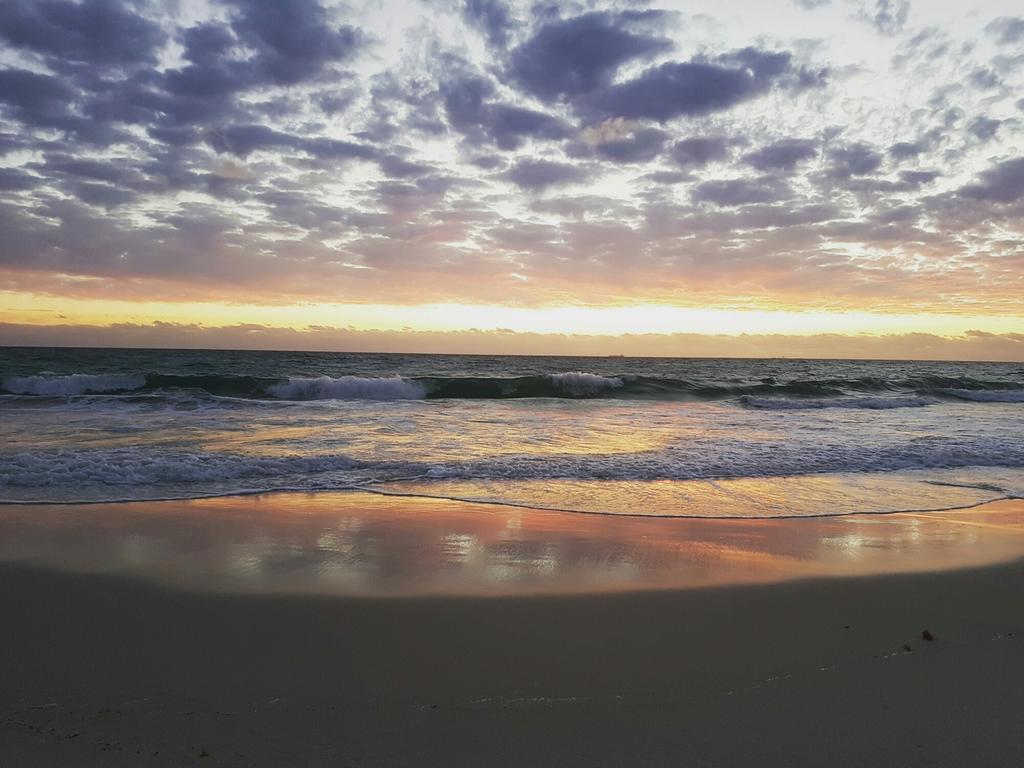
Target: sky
(801,177)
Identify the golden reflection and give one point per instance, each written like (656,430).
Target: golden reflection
(562,428)
(365,544)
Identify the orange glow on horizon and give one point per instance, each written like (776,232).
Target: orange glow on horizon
(590,320)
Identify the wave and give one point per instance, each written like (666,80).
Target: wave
(137,467)
(158,469)
(866,392)
(870,403)
(348,388)
(75,384)
(987,396)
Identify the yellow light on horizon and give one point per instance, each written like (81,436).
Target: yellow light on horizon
(451,317)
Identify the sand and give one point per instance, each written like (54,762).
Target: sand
(135,669)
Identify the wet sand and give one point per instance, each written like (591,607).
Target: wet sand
(367,545)
(797,655)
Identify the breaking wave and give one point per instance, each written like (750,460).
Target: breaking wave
(870,403)
(348,388)
(768,393)
(140,472)
(987,396)
(75,384)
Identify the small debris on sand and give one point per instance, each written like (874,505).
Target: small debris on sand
(926,635)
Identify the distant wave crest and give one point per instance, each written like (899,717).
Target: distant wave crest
(74,384)
(987,396)
(348,388)
(769,394)
(870,403)
(579,384)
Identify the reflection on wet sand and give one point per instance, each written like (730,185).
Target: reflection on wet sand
(364,544)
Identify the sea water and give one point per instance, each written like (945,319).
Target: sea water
(622,436)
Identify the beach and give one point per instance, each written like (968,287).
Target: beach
(802,655)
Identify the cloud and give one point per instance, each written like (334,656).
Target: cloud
(984,127)
(1002,183)
(699,87)
(973,345)
(300,151)
(640,146)
(570,57)
(242,140)
(470,111)
(857,159)
(919,178)
(293,39)
(1007,30)
(887,16)
(492,17)
(730,192)
(538,175)
(783,155)
(698,151)
(96,32)
(14,180)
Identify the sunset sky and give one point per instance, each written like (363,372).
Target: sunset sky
(802,177)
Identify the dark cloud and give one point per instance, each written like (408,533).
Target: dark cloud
(175,136)
(699,87)
(919,178)
(43,101)
(857,159)
(639,147)
(508,125)
(810,5)
(102,195)
(782,155)
(699,151)
(668,177)
(400,168)
(469,111)
(985,78)
(908,150)
(984,127)
(242,140)
(1002,183)
(538,175)
(492,17)
(569,57)
(15,180)
(1006,30)
(97,32)
(887,16)
(294,39)
(729,192)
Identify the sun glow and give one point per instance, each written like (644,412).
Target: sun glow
(613,320)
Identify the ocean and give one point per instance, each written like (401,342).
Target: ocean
(599,435)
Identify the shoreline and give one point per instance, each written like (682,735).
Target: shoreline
(482,502)
(373,545)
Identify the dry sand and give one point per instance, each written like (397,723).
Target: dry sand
(113,670)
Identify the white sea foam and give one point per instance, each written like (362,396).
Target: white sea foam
(74,384)
(581,384)
(987,395)
(871,403)
(140,467)
(348,388)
